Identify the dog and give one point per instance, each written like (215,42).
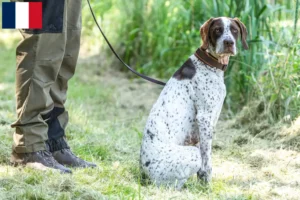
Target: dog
(177,139)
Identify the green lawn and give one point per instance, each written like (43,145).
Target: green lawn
(108,112)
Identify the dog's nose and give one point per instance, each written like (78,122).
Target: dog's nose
(228,43)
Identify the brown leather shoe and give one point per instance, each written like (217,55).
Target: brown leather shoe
(41,160)
(66,157)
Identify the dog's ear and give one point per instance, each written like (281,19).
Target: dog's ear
(204,31)
(244,33)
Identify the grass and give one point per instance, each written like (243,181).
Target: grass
(108,112)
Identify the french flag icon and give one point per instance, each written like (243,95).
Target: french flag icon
(22,15)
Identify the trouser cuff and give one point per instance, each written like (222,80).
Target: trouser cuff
(29,149)
(57,144)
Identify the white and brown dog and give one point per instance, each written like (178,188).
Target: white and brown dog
(188,109)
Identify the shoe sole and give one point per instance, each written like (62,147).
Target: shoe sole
(39,167)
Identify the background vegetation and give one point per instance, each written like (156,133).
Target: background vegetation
(156,36)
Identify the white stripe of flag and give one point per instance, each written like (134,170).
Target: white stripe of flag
(22,15)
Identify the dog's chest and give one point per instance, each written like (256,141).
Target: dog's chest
(174,115)
(208,84)
(210,90)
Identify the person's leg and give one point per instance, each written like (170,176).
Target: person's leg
(39,58)
(59,116)
(37,69)
(58,91)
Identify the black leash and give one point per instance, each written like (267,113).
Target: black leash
(112,49)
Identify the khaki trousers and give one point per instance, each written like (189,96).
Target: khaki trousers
(46,61)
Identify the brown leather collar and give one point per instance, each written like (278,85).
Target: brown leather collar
(209,59)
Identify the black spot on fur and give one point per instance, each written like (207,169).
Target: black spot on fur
(186,71)
(150,134)
(147,163)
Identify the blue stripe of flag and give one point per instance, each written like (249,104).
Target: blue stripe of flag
(8,15)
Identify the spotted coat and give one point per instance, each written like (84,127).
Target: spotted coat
(187,108)
(177,138)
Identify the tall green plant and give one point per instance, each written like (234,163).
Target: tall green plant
(296,17)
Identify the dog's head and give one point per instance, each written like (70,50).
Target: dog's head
(220,35)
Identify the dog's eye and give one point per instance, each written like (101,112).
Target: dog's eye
(218,30)
(234,30)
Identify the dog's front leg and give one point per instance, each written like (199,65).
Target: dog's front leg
(206,133)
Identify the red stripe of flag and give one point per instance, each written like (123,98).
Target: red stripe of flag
(35,15)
